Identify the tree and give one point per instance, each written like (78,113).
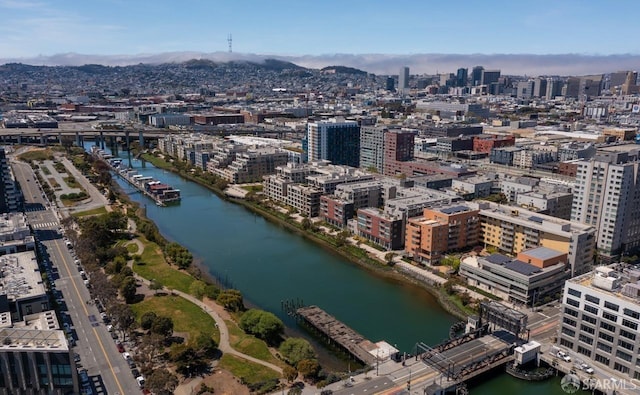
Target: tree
(231,299)
(309,368)
(295,349)
(341,238)
(197,289)
(204,346)
(262,324)
(161,381)
(123,316)
(290,373)
(388,257)
(162,326)
(306,223)
(147,320)
(128,289)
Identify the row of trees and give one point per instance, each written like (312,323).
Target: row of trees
(178,255)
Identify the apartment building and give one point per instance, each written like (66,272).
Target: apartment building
(9,194)
(530,278)
(15,235)
(607,196)
(252,164)
(380,228)
(512,230)
(335,140)
(22,291)
(441,229)
(601,315)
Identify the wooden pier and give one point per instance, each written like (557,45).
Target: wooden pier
(348,339)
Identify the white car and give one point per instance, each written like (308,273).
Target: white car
(563,355)
(126,356)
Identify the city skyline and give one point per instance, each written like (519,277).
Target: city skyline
(315,35)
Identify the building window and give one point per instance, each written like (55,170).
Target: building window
(607,326)
(584,351)
(624,356)
(589,319)
(586,339)
(569,321)
(604,347)
(571,312)
(605,336)
(590,309)
(611,306)
(630,324)
(632,313)
(568,332)
(609,316)
(620,368)
(602,359)
(588,329)
(574,292)
(625,344)
(592,299)
(573,302)
(566,343)
(628,335)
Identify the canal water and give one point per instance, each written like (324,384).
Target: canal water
(269,264)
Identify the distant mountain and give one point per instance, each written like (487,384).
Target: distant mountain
(343,70)
(513,64)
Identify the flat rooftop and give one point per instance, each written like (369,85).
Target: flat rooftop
(18,339)
(20,276)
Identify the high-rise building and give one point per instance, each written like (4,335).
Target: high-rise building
(334,140)
(539,87)
(8,190)
(398,147)
(571,88)
(487,77)
(554,88)
(461,77)
(403,80)
(391,84)
(607,197)
(372,147)
(476,75)
(525,89)
(600,318)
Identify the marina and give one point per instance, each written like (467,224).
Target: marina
(163,194)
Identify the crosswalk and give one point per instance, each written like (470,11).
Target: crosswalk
(36,208)
(45,225)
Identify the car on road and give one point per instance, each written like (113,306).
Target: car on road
(135,373)
(563,355)
(140,380)
(76,357)
(126,356)
(120,347)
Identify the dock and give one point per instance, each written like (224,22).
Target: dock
(161,193)
(345,337)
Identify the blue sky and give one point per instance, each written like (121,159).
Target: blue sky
(298,27)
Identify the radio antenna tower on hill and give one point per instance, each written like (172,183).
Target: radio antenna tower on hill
(229,39)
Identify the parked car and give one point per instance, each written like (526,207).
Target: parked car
(126,356)
(135,373)
(120,347)
(140,381)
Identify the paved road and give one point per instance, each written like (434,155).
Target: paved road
(105,366)
(97,198)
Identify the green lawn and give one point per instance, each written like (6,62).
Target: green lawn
(152,265)
(186,316)
(132,248)
(95,211)
(37,155)
(72,182)
(250,345)
(45,170)
(249,372)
